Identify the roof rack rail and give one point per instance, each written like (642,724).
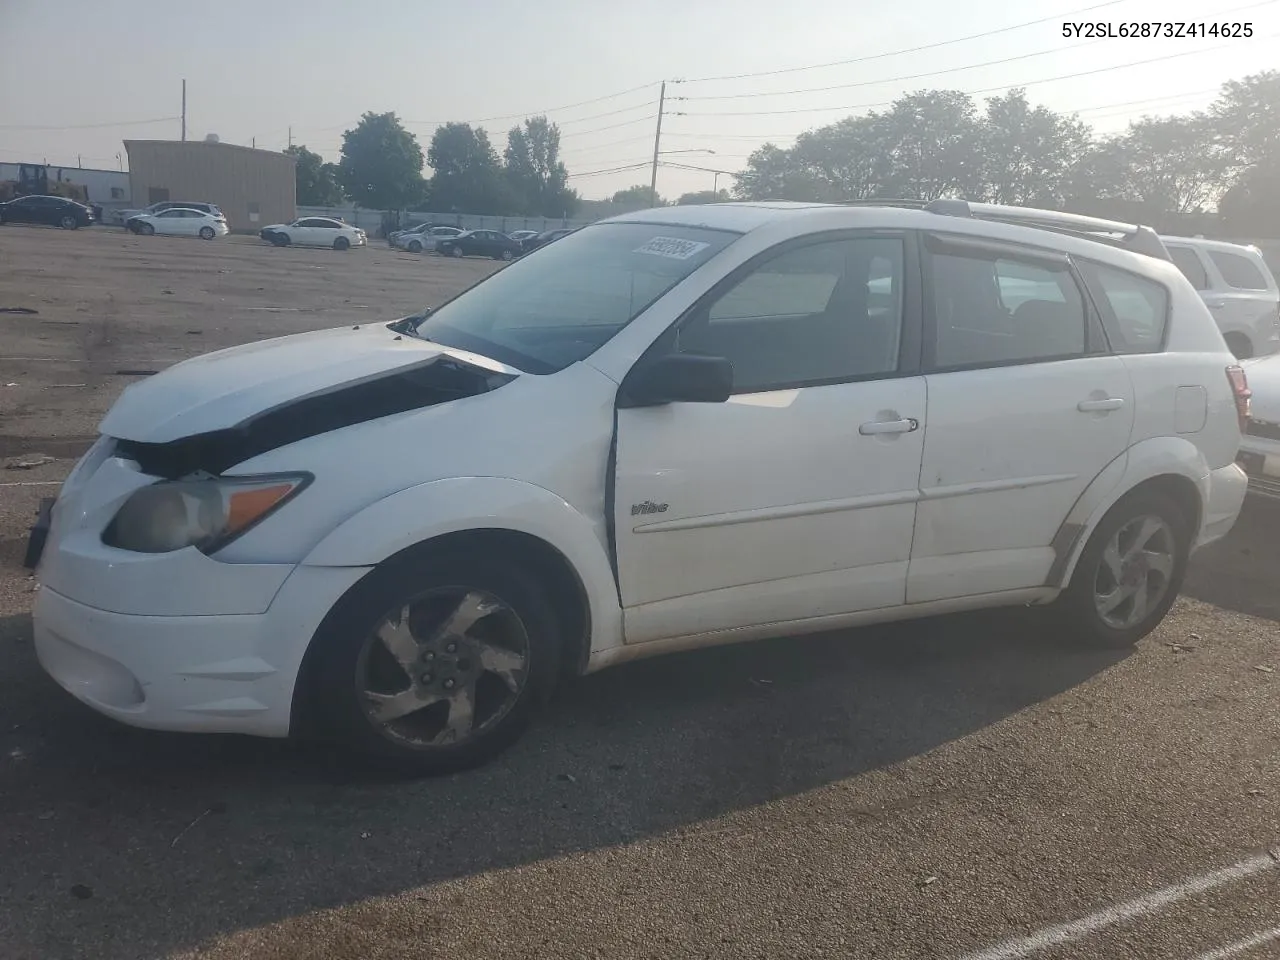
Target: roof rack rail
(1127,236)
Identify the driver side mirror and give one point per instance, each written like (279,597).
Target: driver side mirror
(677,378)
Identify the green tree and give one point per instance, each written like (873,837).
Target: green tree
(1246,119)
(538,179)
(467,177)
(381,165)
(1174,164)
(1028,153)
(317,181)
(703,196)
(638,198)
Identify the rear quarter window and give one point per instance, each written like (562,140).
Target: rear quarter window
(1238,271)
(1188,261)
(1134,309)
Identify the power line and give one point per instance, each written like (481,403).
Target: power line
(871,83)
(86,126)
(599,173)
(1003,86)
(896,53)
(612,126)
(611,143)
(546,110)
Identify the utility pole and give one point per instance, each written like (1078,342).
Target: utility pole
(78,163)
(184,110)
(657,142)
(254,143)
(291,138)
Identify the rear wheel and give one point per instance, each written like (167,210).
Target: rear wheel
(207,233)
(1129,573)
(69,222)
(415,246)
(1239,344)
(342,243)
(434,665)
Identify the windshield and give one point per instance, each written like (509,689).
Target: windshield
(559,305)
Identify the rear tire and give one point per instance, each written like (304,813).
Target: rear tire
(415,246)
(1239,345)
(353,672)
(207,233)
(342,243)
(1129,573)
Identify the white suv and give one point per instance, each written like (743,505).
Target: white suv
(679,427)
(1234,282)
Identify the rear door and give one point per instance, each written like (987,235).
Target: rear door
(1026,407)
(1245,301)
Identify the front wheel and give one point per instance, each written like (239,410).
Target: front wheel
(207,233)
(415,246)
(435,664)
(146,229)
(1129,573)
(69,222)
(505,255)
(342,243)
(456,252)
(279,240)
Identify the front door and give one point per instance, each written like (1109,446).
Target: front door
(1026,408)
(795,499)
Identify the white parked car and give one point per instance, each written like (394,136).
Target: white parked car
(675,428)
(424,239)
(314,232)
(1235,283)
(124,216)
(1260,444)
(178,222)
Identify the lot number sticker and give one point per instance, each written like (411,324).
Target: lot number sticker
(672,247)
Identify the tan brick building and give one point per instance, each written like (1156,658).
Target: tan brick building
(253,187)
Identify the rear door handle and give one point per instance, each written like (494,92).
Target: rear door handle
(1100,406)
(877,427)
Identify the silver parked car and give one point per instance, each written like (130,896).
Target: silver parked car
(1234,282)
(422,238)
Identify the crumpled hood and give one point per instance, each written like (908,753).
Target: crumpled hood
(221,390)
(1264,381)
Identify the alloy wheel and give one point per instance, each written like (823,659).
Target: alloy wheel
(1135,571)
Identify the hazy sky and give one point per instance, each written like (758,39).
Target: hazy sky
(77,76)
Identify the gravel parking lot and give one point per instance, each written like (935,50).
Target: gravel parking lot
(952,788)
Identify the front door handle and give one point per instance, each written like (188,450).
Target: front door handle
(877,427)
(1100,406)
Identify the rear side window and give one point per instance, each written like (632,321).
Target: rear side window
(1188,261)
(1238,271)
(1135,310)
(989,312)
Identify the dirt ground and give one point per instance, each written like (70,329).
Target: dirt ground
(924,790)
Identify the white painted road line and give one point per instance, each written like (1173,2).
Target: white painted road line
(1020,947)
(1240,946)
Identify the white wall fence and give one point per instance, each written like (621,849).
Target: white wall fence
(371,220)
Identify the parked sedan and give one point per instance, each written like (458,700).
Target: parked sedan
(520,236)
(425,240)
(314,232)
(53,211)
(529,244)
(210,208)
(479,243)
(178,222)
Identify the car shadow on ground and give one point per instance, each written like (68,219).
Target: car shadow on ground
(100,822)
(1239,571)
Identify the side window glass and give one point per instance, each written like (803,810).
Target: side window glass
(1239,272)
(998,311)
(1188,261)
(815,314)
(1134,310)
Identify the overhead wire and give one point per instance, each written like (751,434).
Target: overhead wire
(86,126)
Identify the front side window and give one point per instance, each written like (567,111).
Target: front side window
(1134,310)
(543,313)
(1188,261)
(1239,272)
(819,313)
(993,311)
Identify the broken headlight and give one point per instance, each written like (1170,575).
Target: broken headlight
(206,514)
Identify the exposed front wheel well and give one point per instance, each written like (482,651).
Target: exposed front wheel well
(541,561)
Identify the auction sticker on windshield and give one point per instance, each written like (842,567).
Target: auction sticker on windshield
(672,247)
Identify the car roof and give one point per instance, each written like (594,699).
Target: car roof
(1208,244)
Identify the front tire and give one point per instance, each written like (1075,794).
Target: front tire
(279,240)
(415,246)
(433,664)
(69,223)
(456,252)
(1129,573)
(342,243)
(505,255)
(146,229)
(207,233)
